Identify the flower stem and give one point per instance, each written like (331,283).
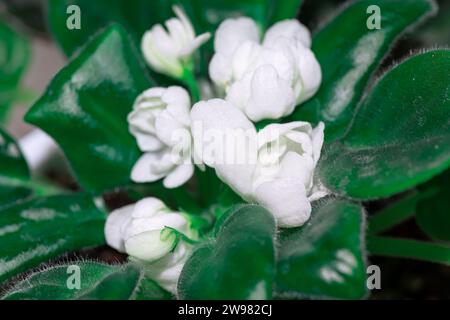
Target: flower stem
(190,81)
(397,212)
(394,214)
(409,249)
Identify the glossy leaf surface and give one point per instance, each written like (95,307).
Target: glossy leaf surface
(85,110)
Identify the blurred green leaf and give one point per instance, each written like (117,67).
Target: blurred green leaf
(38,230)
(400,136)
(86,106)
(97,282)
(14,173)
(349,53)
(433,211)
(135,16)
(326,257)
(238,264)
(14,57)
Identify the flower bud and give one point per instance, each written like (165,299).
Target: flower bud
(168,51)
(149,233)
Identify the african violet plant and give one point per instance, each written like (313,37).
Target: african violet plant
(275,211)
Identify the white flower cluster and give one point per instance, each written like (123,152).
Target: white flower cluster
(273,167)
(265,80)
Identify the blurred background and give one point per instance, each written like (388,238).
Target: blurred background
(401,279)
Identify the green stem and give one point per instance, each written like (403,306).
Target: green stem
(409,249)
(191,83)
(394,214)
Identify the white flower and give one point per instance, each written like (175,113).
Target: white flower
(142,230)
(265,80)
(169,51)
(282,176)
(160,121)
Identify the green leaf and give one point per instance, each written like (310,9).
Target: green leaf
(238,264)
(36,231)
(14,56)
(14,172)
(135,16)
(85,110)
(325,257)
(349,53)
(400,136)
(433,211)
(285,9)
(97,282)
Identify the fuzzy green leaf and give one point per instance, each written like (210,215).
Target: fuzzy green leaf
(96,282)
(349,53)
(238,264)
(400,136)
(38,230)
(324,258)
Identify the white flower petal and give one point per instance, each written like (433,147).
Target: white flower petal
(232,32)
(196,43)
(310,72)
(158,222)
(148,207)
(179,176)
(216,117)
(234,165)
(147,142)
(317,141)
(298,167)
(167,270)
(148,246)
(286,199)
(291,29)
(240,91)
(177,33)
(245,56)
(189,29)
(160,52)
(113,227)
(275,131)
(281,59)
(178,104)
(144,170)
(219,114)
(219,69)
(271,96)
(166,127)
